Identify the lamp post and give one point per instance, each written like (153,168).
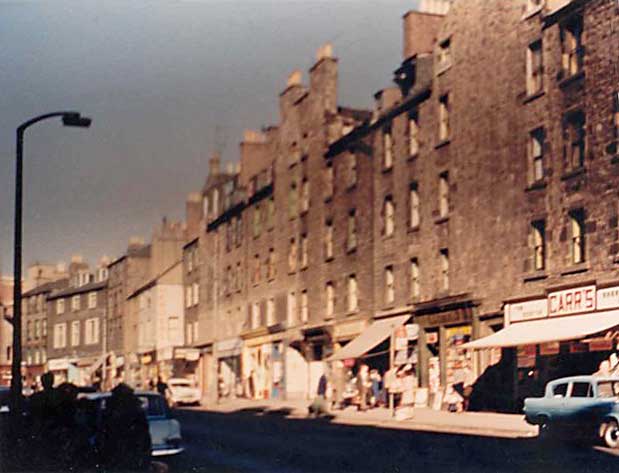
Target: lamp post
(68,119)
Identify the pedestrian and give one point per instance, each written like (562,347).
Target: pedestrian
(319,406)
(363,386)
(126,443)
(162,387)
(375,380)
(409,383)
(339,384)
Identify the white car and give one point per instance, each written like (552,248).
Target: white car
(183,391)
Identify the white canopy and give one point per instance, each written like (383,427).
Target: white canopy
(369,338)
(554,329)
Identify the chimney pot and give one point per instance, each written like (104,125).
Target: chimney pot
(295,78)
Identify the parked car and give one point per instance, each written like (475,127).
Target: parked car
(587,404)
(183,391)
(165,432)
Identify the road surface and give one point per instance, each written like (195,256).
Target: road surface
(248,441)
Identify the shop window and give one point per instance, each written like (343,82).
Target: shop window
(330,296)
(574,140)
(577,236)
(535,68)
(538,243)
(413,133)
(389,285)
(443,114)
(353,299)
(388,216)
(414,218)
(351,243)
(292,256)
(387,149)
(536,155)
(443,193)
(572,57)
(444,264)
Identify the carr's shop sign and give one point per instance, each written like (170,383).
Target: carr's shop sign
(576,300)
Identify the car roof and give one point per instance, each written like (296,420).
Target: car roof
(105,395)
(583,379)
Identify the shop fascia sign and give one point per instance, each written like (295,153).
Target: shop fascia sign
(576,300)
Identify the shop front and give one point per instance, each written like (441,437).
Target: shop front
(186,363)
(228,355)
(263,367)
(567,332)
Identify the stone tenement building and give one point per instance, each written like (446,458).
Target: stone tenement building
(491,172)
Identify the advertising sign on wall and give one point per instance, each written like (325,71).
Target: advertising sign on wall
(572,301)
(529,310)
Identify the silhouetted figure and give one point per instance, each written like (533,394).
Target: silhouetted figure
(126,444)
(44,413)
(162,387)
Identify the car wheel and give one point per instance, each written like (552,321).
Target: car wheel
(611,434)
(544,427)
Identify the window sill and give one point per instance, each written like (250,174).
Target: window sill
(413,157)
(351,187)
(352,312)
(535,95)
(387,170)
(351,250)
(303,268)
(329,198)
(536,186)
(414,229)
(303,213)
(441,220)
(573,173)
(329,259)
(576,269)
(442,143)
(292,272)
(567,81)
(388,237)
(536,276)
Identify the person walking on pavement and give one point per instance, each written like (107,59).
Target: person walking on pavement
(319,406)
(162,388)
(363,385)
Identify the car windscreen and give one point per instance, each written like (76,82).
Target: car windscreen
(608,389)
(154,406)
(182,384)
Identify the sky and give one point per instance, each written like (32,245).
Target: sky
(165,83)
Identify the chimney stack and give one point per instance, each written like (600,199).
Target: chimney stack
(323,77)
(214,167)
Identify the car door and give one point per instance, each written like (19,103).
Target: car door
(579,403)
(556,403)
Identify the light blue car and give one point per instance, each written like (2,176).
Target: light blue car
(586,403)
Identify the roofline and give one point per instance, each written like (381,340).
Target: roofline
(153,281)
(191,242)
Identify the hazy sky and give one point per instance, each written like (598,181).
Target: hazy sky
(157,78)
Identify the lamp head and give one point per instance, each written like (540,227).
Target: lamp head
(75,119)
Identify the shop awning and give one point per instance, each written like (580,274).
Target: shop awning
(369,338)
(554,329)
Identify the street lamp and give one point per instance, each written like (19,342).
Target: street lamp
(68,119)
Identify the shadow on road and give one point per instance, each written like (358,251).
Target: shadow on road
(255,440)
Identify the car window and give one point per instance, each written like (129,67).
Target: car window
(560,390)
(582,390)
(608,389)
(154,406)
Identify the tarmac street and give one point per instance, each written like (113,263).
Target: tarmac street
(263,439)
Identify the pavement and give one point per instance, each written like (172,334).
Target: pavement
(423,419)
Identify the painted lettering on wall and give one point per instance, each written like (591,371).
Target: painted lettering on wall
(572,301)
